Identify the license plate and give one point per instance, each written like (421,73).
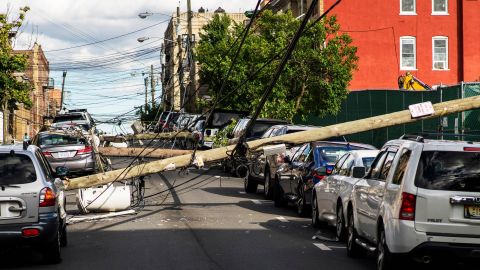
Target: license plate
(472,211)
(63,154)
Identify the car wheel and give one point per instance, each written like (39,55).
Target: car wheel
(278,199)
(52,252)
(250,185)
(315,219)
(340,223)
(302,207)
(353,249)
(385,259)
(63,235)
(267,187)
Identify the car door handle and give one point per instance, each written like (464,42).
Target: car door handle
(17,209)
(380,195)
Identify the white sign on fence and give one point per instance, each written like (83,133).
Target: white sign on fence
(421,109)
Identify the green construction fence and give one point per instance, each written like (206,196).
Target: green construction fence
(368,103)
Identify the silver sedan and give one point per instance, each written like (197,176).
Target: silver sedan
(330,194)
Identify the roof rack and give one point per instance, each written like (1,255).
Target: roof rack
(77,110)
(412,137)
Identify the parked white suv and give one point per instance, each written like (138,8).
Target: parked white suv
(421,198)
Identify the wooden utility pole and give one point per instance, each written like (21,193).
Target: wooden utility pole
(152,85)
(63,90)
(381,121)
(145,81)
(193,66)
(149,152)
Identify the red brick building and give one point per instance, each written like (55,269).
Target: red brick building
(436,40)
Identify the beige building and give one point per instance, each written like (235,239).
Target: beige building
(297,7)
(177,66)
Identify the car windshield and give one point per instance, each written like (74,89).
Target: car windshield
(448,170)
(367,162)
(16,169)
(68,118)
(59,139)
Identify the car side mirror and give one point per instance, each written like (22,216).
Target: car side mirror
(287,159)
(358,171)
(62,171)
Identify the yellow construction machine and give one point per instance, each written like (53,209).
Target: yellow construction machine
(410,82)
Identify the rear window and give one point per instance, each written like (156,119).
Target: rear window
(448,170)
(258,130)
(16,169)
(68,118)
(332,154)
(58,139)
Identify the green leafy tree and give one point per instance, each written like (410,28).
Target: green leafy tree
(12,90)
(147,114)
(314,81)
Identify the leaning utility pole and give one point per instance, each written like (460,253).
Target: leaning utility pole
(5,123)
(193,66)
(152,85)
(63,89)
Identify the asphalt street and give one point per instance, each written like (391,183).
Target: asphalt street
(206,222)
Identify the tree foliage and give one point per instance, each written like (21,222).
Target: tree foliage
(314,81)
(12,89)
(149,113)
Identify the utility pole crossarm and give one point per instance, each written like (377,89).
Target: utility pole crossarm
(318,134)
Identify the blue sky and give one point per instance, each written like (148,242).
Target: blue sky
(103,77)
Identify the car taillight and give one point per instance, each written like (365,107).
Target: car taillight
(30,232)
(47,197)
(86,150)
(407,211)
(317,177)
(47,154)
(471,149)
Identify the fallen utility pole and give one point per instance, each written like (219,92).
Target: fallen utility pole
(148,136)
(376,122)
(149,152)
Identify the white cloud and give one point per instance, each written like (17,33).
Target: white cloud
(57,24)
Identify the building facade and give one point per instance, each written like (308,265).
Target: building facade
(31,120)
(176,82)
(435,40)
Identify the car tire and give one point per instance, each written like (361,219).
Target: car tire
(302,207)
(278,199)
(51,252)
(63,235)
(267,186)
(250,185)
(340,224)
(316,223)
(385,259)
(353,249)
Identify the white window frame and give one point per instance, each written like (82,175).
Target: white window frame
(446,52)
(414,12)
(405,38)
(440,12)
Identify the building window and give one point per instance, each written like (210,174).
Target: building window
(407,53)
(439,7)
(440,53)
(408,7)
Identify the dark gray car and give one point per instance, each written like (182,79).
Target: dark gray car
(65,150)
(32,207)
